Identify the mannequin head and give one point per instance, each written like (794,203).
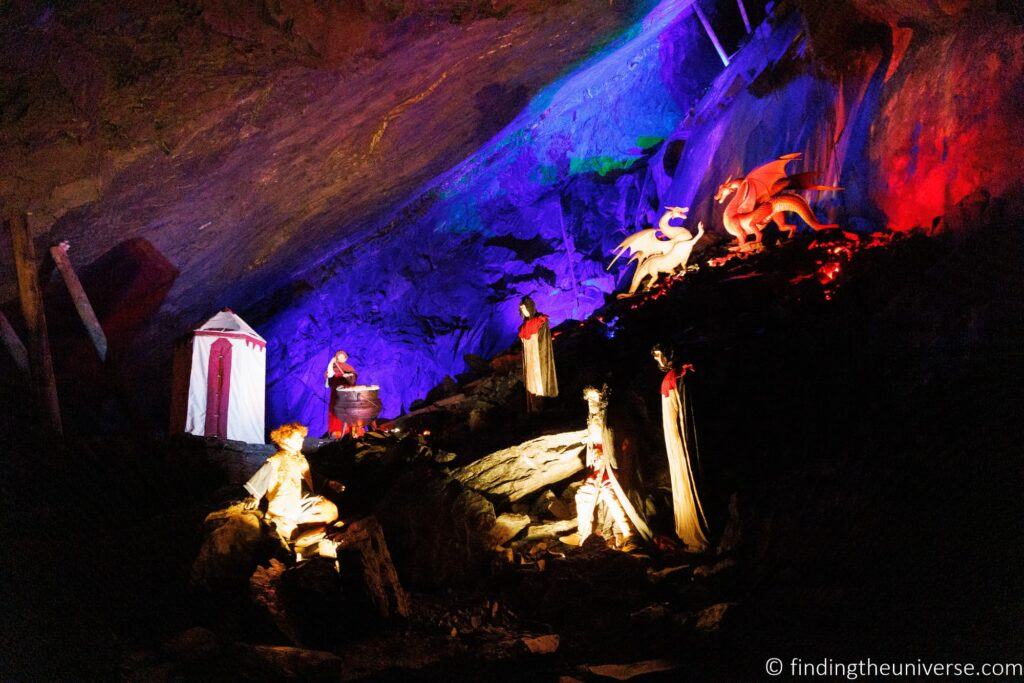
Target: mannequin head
(527,308)
(289,437)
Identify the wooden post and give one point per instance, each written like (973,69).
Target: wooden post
(13,344)
(79,297)
(742,12)
(711,33)
(44,385)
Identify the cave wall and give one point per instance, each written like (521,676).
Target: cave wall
(650,122)
(391,177)
(950,120)
(533,211)
(247,142)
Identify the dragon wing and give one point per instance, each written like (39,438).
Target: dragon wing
(641,245)
(759,183)
(808,180)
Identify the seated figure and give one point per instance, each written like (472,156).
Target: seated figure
(284,480)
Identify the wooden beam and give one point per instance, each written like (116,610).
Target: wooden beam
(13,343)
(711,33)
(79,297)
(743,13)
(44,385)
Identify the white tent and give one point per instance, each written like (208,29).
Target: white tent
(227,380)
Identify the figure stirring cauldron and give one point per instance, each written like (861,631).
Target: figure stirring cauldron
(351,407)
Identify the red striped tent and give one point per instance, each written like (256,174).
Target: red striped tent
(227,380)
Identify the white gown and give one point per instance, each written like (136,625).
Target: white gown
(690,523)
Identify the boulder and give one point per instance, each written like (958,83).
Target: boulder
(542,645)
(278,662)
(437,529)
(625,672)
(194,645)
(592,585)
(507,364)
(656,576)
(237,540)
(265,591)
(733,533)
(708,571)
(560,509)
(507,526)
(321,602)
(711,618)
(446,388)
(542,503)
(651,614)
(553,529)
(515,472)
(367,571)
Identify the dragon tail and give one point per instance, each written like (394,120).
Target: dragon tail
(799,206)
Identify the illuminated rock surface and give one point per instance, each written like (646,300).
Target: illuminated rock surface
(857,394)
(301,165)
(518,471)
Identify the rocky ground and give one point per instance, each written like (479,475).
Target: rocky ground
(858,408)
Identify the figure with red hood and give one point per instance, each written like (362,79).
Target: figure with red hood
(681,446)
(338,374)
(538,355)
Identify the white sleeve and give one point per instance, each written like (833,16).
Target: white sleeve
(262,480)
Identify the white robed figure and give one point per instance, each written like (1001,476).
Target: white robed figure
(601,485)
(681,447)
(538,354)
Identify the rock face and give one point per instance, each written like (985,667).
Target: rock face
(621,138)
(144,128)
(144,122)
(364,564)
(232,462)
(948,120)
(265,592)
(437,528)
(533,211)
(321,602)
(515,472)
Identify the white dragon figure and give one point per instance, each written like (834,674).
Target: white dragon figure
(657,257)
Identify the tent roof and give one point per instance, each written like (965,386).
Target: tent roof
(228,321)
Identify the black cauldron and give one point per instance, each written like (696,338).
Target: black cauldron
(358,404)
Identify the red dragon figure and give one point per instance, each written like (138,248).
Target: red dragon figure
(765,195)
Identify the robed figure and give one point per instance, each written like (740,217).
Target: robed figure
(538,355)
(602,487)
(681,446)
(338,374)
